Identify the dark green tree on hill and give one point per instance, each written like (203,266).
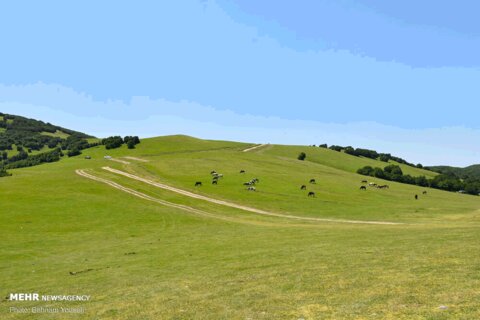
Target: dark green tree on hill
(302,156)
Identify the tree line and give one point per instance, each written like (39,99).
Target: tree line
(448,181)
(372,154)
(117,141)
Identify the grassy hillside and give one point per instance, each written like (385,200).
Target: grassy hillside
(467,172)
(149,261)
(31,135)
(340,160)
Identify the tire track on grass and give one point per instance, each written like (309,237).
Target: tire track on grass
(255,147)
(150,198)
(241,207)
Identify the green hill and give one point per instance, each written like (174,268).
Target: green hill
(146,243)
(464,173)
(26,142)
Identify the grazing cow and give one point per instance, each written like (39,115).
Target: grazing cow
(312,181)
(372,184)
(213,172)
(215,178)
(198,183)
(424,192)
(219,175)
(383,187)
(215,182)
(251,189)
(364,181)
(363,188)
(311,194)
(303,187)
(416,197)
(247,183)
(242,171)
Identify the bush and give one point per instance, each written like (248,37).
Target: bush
(73,153)
(4,173)
(302,156)
(366,171)
(112,142)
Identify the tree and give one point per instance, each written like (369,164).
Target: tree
(302,156)
(378,173)
(393,170)
(384,157)
(349,150)
(112,142)
(4,173)
(366,171)
(73,153)
(421,181)
(131,144)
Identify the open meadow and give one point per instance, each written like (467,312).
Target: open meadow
(144,251)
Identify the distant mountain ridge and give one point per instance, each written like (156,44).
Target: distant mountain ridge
(472,171)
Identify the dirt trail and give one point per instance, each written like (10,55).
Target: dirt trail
(120,161)
(136,159)
(241,207)
(149,198)
(254,147)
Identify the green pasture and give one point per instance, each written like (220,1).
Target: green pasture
(142,260)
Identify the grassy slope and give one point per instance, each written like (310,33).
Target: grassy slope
(59,134)
(54,222)
(341,160)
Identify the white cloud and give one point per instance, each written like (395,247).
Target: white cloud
(152,117)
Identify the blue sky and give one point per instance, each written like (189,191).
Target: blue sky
(299,71)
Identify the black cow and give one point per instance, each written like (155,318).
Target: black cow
(215,182)
(303,187)
(213,172)
(364,181)
(424,192)
(198,183)
(416,197)
(363,188)
(311,194)
(312,181)
(242,171)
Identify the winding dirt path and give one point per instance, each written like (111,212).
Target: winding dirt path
(255,147)
(241,207)
(119,161)
(136,159)
(149,198)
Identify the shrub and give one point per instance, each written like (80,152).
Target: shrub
(73,153)
(302,156)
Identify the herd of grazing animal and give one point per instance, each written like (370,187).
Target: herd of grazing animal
(304,187)
(385,186)
(251,184)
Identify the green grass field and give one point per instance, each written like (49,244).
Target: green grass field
(150,261)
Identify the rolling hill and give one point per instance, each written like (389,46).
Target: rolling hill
(472,171)
(130,228)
